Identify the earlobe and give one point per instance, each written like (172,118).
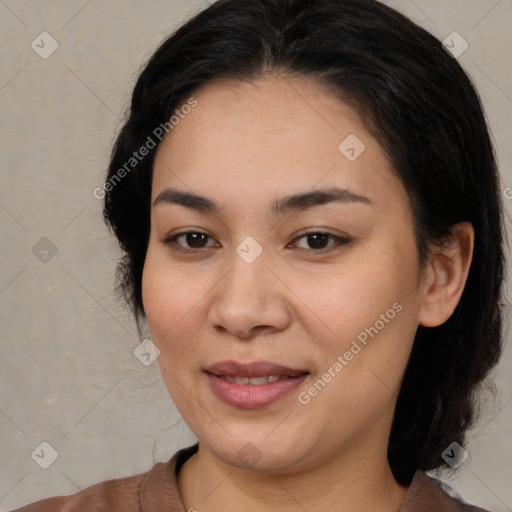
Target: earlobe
(448,272)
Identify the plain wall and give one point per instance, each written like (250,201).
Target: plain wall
(68,373)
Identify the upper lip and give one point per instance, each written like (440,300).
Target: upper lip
(252,369)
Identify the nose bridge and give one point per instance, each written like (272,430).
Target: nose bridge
(247,280)
(248,296)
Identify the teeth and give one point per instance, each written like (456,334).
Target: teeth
(254,381)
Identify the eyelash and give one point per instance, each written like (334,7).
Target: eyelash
(172,240)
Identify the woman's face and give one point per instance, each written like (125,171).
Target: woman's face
(249,294)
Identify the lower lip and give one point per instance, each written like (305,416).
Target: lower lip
(247,396)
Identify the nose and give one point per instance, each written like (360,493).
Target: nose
(250,299)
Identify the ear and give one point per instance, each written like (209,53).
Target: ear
(446,276)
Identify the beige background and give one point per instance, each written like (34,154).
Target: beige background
(67,369)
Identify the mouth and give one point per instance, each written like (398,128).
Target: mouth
(251,370)
(254,381)
(253,385)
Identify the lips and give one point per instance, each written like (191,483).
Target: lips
(254,369)
(252,385)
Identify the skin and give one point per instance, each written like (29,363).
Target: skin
(243,145)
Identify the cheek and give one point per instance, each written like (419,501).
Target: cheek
(369,316)
(352,296)
(173,307)
(364,361)
(171,300)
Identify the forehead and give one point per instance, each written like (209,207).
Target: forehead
(293,106)
(280,133)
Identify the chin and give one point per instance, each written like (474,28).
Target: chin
(258,452)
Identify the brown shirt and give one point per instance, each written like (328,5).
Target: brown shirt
(157,491)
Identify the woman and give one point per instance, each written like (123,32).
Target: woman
(307,198)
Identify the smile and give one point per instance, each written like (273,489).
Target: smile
(253,381)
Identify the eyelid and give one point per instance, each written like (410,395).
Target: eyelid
(340,240)
(171,239)
(320,230)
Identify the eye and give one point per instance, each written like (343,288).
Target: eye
(193,239)
(318,241)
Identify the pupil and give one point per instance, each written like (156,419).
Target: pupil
(320,237)
(192,239)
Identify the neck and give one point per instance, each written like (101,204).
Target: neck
(349,482)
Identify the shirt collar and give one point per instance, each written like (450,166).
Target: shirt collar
(159,488)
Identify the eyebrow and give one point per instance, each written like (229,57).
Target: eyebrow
(278,207)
